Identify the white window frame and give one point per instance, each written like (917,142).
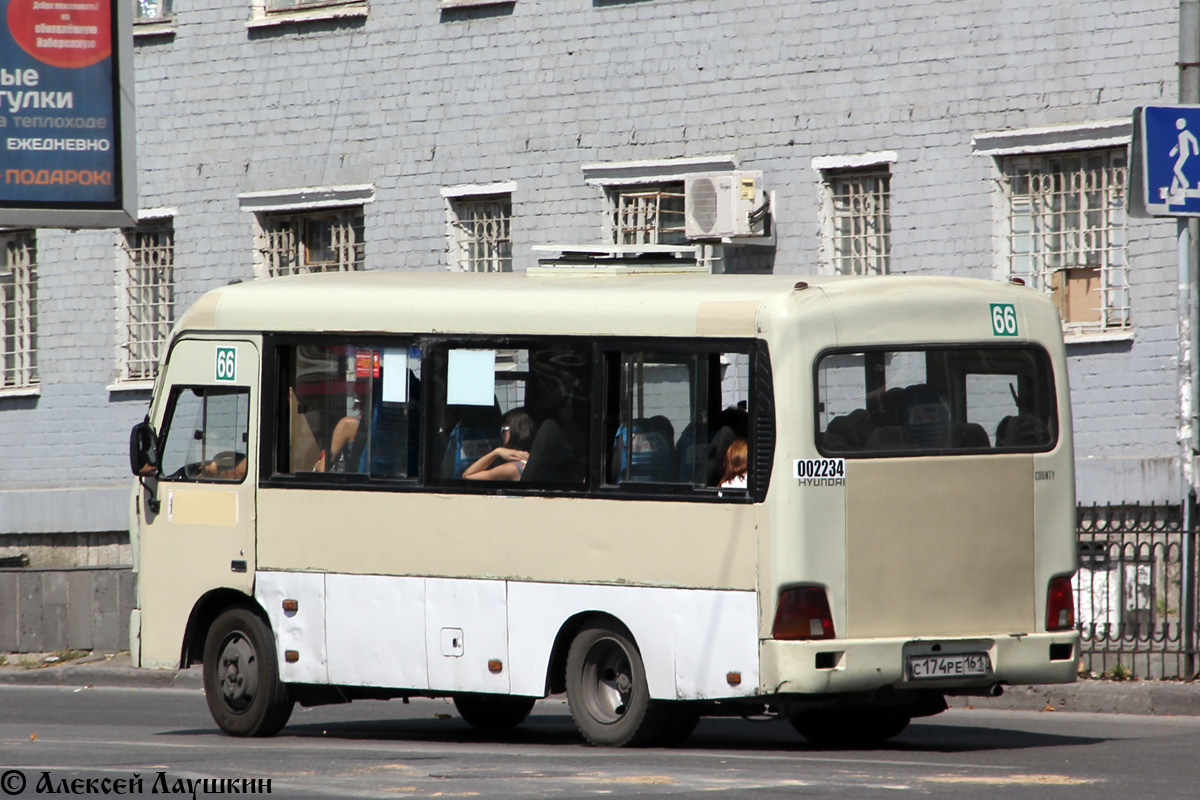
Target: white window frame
(306,204)
(154,24)
(18,313)
(263,16)
(856,240)
(145,310)
(479,227)
(1102,246)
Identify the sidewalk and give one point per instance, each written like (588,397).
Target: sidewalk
(1162,698)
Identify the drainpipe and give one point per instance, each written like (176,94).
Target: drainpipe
(1188,233)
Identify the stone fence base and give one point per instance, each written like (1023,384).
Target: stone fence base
(65,608)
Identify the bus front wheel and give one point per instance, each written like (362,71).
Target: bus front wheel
(494,713)
(241,676)
(607,691)
(851,727)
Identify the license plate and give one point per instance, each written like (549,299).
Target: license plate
(957,666)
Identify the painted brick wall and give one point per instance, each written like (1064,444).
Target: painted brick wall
(411,99)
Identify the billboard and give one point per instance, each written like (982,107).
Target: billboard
(66,114)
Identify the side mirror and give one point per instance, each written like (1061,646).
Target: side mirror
(143,450)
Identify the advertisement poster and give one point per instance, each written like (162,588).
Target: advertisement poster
(60,126)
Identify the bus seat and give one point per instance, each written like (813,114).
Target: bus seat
(1022,430)
(889,438)
(969,436)
(652,452)
(475,434)
(925,414)
(851,430)
(551,457)
(692,453)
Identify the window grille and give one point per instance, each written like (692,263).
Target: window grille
(149,297)
(18,309)
(327,241)
(858,223)
(482,234)
(649,215)
(152,10)
(1066,233)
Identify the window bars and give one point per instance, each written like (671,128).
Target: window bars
(649,215)
(1066,233)
(858,221)
(330,241)
(149,297)
(482,233)
(18,309)
(152,10)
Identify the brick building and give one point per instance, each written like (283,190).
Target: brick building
(277,136)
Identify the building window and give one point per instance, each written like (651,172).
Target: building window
(316,241)
(856,229)
(648,214)
(1066,233)
(18,309)
(481,233)
(149,11)
(148,297)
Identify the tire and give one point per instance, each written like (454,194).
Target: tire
(493,712)
(241,676)
(607,691)
(866,727)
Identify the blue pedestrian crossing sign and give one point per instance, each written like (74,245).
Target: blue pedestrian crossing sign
(1168,164)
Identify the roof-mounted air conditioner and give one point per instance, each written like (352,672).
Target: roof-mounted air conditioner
(725,205)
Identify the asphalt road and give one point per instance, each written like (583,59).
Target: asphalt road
(62,737)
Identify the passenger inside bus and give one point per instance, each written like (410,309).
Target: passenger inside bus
(506,462)
(733,470)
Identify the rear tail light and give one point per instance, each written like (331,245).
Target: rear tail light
(1060,605)
(803,613)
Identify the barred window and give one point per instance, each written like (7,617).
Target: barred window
(857,226)
(481,233)
(18,309)
(648,214)
(1066,233)
(317,241)
(152,10)
(148,297)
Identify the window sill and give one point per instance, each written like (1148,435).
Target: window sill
(146,30)
(1098,337)
(308,15)
(131,386)
(22,391)
(468,3)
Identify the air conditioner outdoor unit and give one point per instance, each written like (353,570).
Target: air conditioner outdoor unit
(721,205)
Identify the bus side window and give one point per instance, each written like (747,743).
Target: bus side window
(351,409)
(206,435)
(672,416)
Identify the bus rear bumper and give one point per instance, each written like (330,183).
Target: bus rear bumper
(949,666)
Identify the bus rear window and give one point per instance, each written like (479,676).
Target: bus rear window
(935,400)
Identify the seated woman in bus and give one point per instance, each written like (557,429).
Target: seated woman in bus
(733,473)
(517,435)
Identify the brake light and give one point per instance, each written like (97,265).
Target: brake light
(803,613)
(1060,605)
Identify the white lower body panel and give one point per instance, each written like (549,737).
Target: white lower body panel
(465,635)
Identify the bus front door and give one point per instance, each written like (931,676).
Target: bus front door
(197,518)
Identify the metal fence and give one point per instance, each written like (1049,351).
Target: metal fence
(1135,592)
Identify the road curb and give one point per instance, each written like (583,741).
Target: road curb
(109,671)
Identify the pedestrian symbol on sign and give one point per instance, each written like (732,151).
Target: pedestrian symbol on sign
(1186,147)
(1165,173)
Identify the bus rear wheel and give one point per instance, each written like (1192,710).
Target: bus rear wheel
(607,691)
(241,676)
(861,727)
(493,712)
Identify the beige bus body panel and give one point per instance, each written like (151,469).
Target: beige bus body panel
(698,545)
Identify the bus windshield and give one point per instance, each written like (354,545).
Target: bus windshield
(935,400)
